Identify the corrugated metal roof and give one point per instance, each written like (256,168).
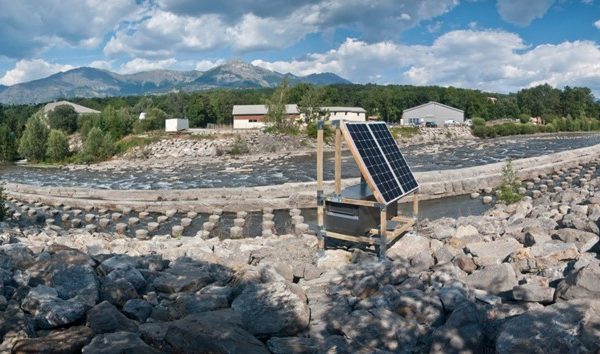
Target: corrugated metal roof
(260,109)
(78,108)
(432,103)
(345,109)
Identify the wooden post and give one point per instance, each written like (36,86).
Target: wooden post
(338,161)
(320,196)
(415,205)
(382,232)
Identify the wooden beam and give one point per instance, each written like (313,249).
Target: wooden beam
(361,239)
(320,160)
(415,205)
(367,203)
(382,232)
(320,201)
(338,161)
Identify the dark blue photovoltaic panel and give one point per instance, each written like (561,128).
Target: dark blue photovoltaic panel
(394,156)
(383,159)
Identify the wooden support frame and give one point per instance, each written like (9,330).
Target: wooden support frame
(381,237)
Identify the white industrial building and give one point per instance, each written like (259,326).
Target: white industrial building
(432,112)
(176,124)
(350,114)
(253,116)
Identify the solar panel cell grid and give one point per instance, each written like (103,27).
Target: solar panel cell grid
(382,159)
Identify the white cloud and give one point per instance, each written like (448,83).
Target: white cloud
(138,65)
(597,24)
(193,26)
(204,65)
(101,64)
(27,70)
(488,60)
(520,12)
(29,26)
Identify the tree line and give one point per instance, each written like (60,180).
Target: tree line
(119,115)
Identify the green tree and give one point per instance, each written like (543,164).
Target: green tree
(63,117)
(311,105)
(276,108)
(155,120)
(8,143)
(3,206)
(32,145)
(97,147)
(199,110)
(58,146)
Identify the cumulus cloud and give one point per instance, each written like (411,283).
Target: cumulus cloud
(497,61)
(597,24)
(27,70)
(28,26)
(204,65)
(201,26)
(138,65)
(101,64)
(521,13)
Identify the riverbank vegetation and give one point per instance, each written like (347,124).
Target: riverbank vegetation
(569,109)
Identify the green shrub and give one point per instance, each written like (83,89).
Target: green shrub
(549,128)
(97,147)
(3,206)
(478,121)
(524,118)
(58,146)
(8,143)
(63,117)
(404,132)
(239,147)
(508,191)
(33,142)
(328,131)
(130,142)
(480,131)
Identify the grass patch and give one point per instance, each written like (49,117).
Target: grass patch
(133,141)
(404,132)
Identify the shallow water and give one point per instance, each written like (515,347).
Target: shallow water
(422,157)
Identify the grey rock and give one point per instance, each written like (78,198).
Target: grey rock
(121,261)
(533,293)
(582,239)
(187,304)
(117,291)
(499,249)
(137,309)
(118,342)
(273,309)
(211,332)
(132,275)
(293,345)
(494,279)
(463,332)
(552,252)
(583,283)
(183,279)
(69,340)
(50,311)
(105,318)
(574,329)
(408,246)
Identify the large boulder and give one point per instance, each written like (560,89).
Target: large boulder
(118,342)
(552,252)
(50,311)
(211,332)
(277,308)
(190,277)
(463,332)
(583,283)
(382,329)
(499,249)
(582,239)
(293,345)
(69,340)
(567,327)
(494,279)
(408,247)
(105,318)
(117,291)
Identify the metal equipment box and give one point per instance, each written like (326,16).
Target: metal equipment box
(355,220)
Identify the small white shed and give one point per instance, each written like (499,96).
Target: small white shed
(176,124)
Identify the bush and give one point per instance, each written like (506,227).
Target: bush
(239,147)
(404,132)
(8,143)
(130,142)
(524,118)
(328,132)
(58,146)
(508,191)
(33,142)
(63,118)
(97,147)
(478,121)
(3,207)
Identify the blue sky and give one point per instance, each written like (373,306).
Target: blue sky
(501,45)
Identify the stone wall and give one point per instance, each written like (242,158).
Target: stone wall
(434,184)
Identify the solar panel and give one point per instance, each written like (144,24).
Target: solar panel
(387,169)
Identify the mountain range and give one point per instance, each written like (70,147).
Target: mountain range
(92,82)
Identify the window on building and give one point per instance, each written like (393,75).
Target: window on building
(413,120)
(253,121)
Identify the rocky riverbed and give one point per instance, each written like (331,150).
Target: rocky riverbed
(520,278)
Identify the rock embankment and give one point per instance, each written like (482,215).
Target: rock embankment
(438,135)
(522,278)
